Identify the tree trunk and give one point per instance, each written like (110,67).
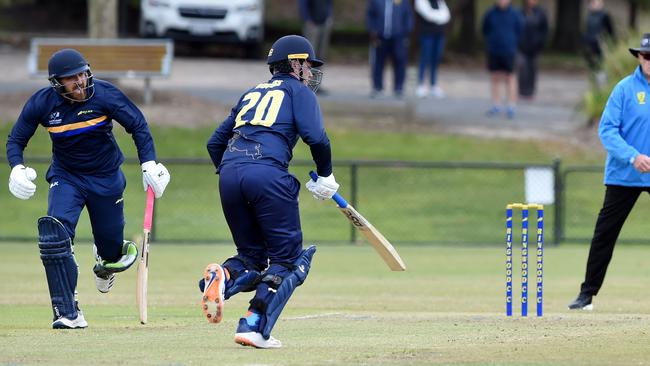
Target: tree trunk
(632,11)
(102,18)
(466,13)
(568,25)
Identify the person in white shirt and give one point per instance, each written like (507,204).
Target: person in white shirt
(432,15)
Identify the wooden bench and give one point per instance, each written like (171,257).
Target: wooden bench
(110,58)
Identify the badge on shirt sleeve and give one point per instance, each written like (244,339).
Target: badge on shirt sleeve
(640,96)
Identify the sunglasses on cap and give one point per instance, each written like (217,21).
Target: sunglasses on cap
(645,56)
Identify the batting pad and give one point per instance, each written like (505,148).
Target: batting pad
(289,283)
(61,269)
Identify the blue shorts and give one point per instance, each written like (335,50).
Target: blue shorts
(501,63)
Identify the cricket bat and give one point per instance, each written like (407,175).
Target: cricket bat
(374,237)
(143,265)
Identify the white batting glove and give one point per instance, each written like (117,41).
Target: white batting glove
(155,175)
(20,182)
(323,188)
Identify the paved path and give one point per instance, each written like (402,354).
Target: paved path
(222,80)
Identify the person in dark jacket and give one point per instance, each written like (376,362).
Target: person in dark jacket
(502,26)
(316,18)
(389,23)
(432,17)
(598,26)
(531,42)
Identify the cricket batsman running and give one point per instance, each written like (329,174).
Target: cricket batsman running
(77,111)
(251,151)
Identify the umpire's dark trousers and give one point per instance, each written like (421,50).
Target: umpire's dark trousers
(618,203)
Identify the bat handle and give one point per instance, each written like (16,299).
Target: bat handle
(148,212)
(337,197)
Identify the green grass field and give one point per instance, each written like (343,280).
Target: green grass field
(447,308)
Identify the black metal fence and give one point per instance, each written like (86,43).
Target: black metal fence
(409,202)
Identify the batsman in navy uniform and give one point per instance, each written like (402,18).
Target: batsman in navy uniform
(78,112)
(251,151)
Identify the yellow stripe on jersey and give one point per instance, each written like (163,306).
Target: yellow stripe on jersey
(78,125)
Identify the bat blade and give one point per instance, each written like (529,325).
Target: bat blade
(385,249)
(143,279)
(143,265)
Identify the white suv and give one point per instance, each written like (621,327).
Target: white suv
(209,21)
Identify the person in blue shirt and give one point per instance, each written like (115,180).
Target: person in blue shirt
(623,131)
(389,24)
(77,111)
(502,26)
(251,151)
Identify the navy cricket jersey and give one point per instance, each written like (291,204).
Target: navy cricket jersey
(81,132)
(264,126)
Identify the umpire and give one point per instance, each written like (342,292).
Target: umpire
(624,127)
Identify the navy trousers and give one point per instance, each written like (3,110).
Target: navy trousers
(396,49)
(260,203)
(101,196)
(431,48)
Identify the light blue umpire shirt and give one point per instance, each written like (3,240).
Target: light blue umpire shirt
(625,130)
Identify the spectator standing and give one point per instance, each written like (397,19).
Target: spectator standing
(432,16)
(623,130)
(389,23)
(317,23)
(501,28)
(599,25)
(531,43)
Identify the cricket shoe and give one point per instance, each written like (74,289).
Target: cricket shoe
(214,285)
(582,302)
(104,282)
(248,336)
(65,323)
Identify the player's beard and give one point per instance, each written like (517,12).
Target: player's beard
(78,91)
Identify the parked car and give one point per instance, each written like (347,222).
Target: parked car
(237,22)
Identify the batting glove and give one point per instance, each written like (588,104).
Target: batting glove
(20,182)
(155,175)
(323,188)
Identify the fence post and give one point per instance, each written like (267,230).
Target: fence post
(353,198)
(558,224)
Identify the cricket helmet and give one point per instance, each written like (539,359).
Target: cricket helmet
(293,47)
(69,62)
